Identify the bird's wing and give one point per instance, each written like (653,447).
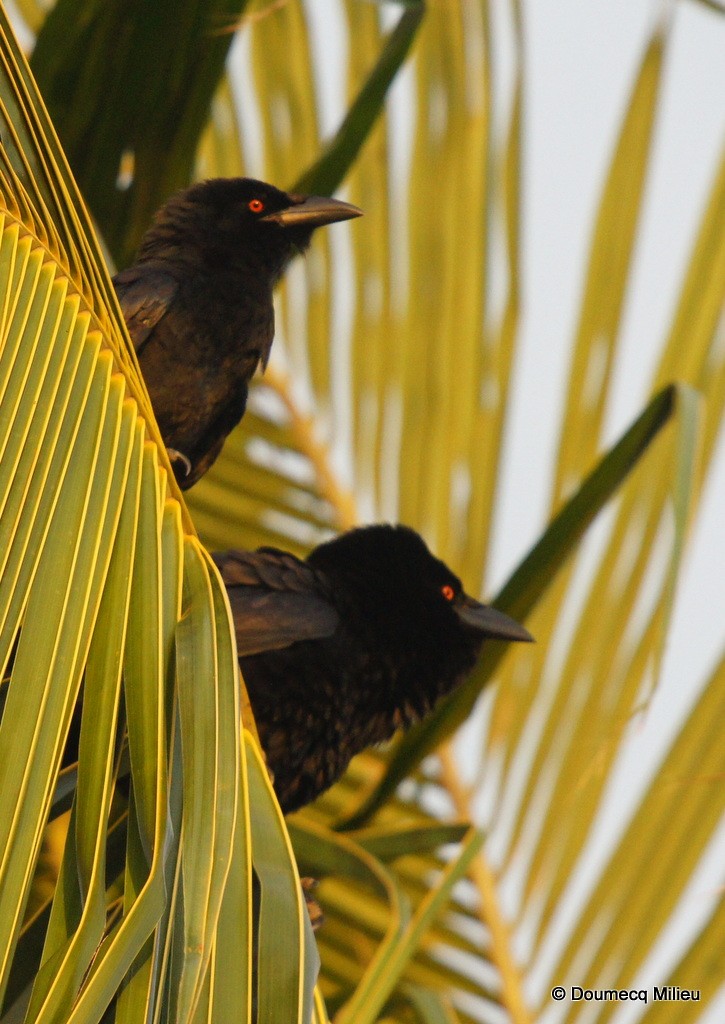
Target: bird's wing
(145,292)
(275,600)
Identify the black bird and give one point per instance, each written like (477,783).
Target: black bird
(198,304)
(339,651)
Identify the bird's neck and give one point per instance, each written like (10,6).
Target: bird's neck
(212,256)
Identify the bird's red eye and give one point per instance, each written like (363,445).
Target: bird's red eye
(256,205)
(448,592)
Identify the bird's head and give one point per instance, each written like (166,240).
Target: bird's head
(239,222)
(416,608)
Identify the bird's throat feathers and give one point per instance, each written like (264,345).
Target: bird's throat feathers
(212,253)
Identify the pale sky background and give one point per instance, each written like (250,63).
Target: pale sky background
(582,58)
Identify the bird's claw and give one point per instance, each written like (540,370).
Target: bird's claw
(176,456)
(317,915)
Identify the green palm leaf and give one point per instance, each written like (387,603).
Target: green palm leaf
(104,580)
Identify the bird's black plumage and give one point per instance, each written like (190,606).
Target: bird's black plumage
(339,651)
(198,304)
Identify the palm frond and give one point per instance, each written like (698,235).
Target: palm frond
(104,580)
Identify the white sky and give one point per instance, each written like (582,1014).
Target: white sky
(582,58)
(581,62)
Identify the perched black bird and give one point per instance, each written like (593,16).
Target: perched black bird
(341,650)
(198,304)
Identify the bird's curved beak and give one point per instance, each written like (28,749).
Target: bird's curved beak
(313,212)
(489,622)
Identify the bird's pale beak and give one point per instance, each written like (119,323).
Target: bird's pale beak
(313,212)
(489,622)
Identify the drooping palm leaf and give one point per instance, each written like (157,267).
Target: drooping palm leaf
(102,573)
